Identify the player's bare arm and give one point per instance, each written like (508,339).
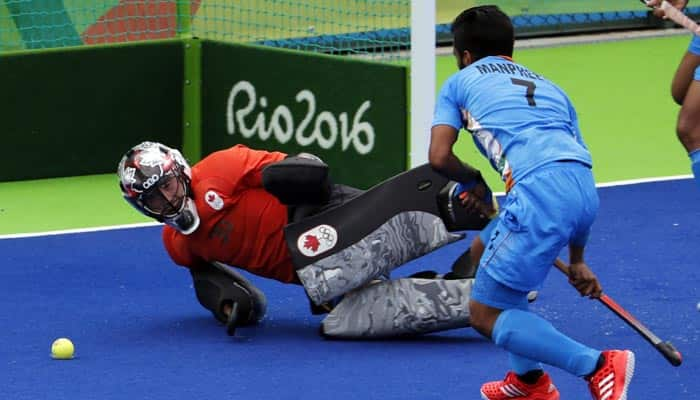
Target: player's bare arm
(679,4)
(443,160)
(580,275)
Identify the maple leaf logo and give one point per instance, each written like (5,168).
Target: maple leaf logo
(311,242)
(317,240)
(212,198)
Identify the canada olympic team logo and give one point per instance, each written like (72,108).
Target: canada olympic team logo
(317,240)
(214,200)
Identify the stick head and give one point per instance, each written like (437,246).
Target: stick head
(670,353)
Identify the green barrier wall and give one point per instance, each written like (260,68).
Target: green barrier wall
(349,112)
(76,111)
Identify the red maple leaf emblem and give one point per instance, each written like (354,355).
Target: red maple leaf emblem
(311,242)
(210,197)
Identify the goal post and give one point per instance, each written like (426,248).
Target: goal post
(422,79)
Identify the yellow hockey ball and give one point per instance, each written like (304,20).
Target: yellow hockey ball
(62,349)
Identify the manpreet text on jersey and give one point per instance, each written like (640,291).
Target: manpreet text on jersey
(507,68)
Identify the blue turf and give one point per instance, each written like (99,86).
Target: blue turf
(140,334)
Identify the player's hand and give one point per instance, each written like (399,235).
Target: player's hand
(658,12)
(584,280)
(475,200)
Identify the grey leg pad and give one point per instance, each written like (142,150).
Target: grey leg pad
(400,239)
(407,306)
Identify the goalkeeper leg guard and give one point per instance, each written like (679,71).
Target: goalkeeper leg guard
(348,246)
(407,306)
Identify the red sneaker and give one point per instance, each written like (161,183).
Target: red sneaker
(611,380)
(513,388)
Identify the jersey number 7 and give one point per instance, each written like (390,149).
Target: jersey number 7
(529,93)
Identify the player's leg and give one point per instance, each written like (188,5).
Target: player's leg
(407,306)
(686,70)
(466,265)
(500,313)
(348,246)
(684,90)
(491,301)
(423,303)
(302,179)
(517,258)
(688,126)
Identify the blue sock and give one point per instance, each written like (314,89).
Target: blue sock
(530,337)
(521,365)
(695,159)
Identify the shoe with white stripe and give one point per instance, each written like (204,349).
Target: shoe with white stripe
(513,388)
(611,380)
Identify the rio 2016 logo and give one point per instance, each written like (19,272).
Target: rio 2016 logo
(323,128)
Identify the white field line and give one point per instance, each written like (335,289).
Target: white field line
(625,182)
(79,230)
(150,224)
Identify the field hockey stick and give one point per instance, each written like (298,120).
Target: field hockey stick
(677,16)
(669,352)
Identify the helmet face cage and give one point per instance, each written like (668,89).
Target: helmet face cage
(155,180)
(156,202)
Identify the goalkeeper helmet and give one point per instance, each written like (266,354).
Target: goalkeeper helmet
(155,180)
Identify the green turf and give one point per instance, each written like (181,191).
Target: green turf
(621,90)
(63,203)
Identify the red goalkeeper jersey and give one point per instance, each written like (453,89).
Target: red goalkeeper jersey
(241,224)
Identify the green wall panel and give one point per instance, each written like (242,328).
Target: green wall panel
(76,111)
(351,113)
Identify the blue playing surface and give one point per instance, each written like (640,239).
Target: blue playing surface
(140,333)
